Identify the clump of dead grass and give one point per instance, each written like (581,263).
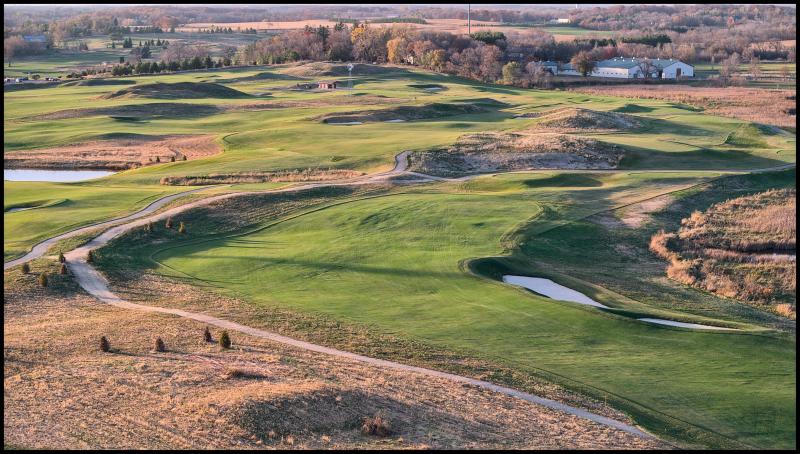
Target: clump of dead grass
(377,425)
(293,175)
(743,248)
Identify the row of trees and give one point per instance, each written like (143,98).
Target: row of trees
(144,67)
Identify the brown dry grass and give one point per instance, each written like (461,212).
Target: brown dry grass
(578,119)
(295,175)
(489,152)
(750,104)
(744,248)
(117,154)
(60,391)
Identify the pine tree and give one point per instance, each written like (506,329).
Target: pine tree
(63,269)
(90,257)
(207,335)
(43,279)
(26,268)
(104,345)
(224,340)
(159,346)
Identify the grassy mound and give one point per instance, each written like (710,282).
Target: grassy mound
(318,69)
(407,113)
(180,90)
(491,152)
(156,110)
(572,118)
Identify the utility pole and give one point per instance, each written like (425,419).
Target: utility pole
(469,20)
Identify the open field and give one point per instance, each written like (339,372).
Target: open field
(419,264)
(273,131)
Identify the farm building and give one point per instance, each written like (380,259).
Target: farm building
(328,85)
(630,68)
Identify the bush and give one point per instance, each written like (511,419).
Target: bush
(224,340)
(159,347)
(148,227)
(26,268)
(104,345)
(168,224)
(61,257)
(376,425)
(43,279)
(207,335)
(63,269)
(181,228)
(90,257)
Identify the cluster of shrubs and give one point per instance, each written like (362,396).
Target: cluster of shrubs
(159,346)
(43,278)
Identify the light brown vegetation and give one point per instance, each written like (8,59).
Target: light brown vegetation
(262,177)
(117,154)
(750,104)
(578,119)
(744,248)
(488,152)
(70,395)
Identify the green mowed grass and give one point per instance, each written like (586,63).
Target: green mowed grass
(76,205)
(392,263)
(287,138)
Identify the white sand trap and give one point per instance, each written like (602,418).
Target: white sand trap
(555,291)
(399,120)
(550,289)
(683,325)
(346,123)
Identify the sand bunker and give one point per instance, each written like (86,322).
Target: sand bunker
(492,152)
(406,113)
(180,90)
(577,119)
(555,291)
(123,151)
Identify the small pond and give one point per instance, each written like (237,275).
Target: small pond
(55,176)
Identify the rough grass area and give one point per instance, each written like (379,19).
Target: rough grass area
(578,119)
(98,82)
(322,69)
(151,111)
(407,113)
(750,104)
(491,152)
(125,151)
(744,248)
(178,90)
(262,177)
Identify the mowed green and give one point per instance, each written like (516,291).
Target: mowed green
(392,263)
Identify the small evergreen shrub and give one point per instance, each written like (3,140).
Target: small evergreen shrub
(159,347)
(61,257)
(224,340)
(63,269)
(181,228)
(43,280)
(26,268)
(168,224)
(105,347)
(207,335)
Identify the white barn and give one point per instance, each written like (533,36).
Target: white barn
(631,68)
